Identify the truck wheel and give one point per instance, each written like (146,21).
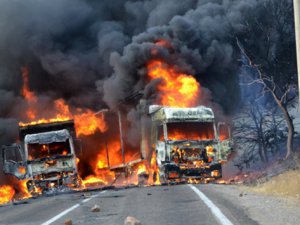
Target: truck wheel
(32,189)
(143,178)
(30,186)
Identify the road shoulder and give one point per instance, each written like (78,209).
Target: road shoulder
(265,209)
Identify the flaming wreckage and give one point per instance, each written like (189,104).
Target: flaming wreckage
(46,156)
(186,144)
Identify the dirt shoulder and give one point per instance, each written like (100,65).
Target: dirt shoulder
(264,207)
(286,184)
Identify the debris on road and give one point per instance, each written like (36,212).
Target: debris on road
(86,195)
(68,222)
(95,208)
(143,178)
(132,221)
(20,202)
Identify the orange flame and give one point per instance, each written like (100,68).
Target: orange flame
(27,94)
(92,180)
(177,89)
(24,190)
(102,175)
(62,115)
(101,164)
(141,169)
(177,135)
(65,152)
(17,191)
(154,169)
(114,148)
(7,193)
(22,170)
(86,121)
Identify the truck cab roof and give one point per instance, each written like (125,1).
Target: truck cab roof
(47,137)
(172,114)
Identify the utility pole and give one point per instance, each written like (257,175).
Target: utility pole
(297,35)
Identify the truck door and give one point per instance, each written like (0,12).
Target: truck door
(225,140)
(13,161)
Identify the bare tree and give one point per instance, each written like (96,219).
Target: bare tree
(258,132)
(245,159)
(283,96)
(268,47)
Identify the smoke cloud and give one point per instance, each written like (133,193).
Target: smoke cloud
(93,53)
(70,45)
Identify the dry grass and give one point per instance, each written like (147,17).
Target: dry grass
(285,184)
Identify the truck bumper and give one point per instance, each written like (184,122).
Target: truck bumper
(39,185)
(173,171)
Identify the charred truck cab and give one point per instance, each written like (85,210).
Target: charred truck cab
(187,142)
(46,157)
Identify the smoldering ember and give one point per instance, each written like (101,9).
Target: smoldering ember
(149,112)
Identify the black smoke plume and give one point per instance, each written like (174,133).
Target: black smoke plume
(93,53)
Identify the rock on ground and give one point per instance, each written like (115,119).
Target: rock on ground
(68,222)
(95,208)
(132,221)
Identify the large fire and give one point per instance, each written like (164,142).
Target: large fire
(102,175)
(62,115)
(175,89)
(17,191)
(86,121)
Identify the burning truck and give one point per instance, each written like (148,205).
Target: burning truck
(46,157)
(180,144)
(187,142)
(174,140)
(176,144)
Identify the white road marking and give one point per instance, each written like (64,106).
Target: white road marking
(48,222)
(222,219)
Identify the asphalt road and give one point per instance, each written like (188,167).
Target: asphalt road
(166,205)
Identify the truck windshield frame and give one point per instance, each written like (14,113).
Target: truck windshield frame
(196,131)
(38,151)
